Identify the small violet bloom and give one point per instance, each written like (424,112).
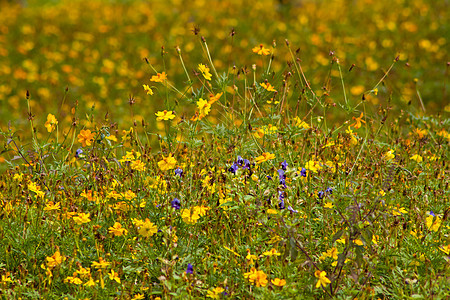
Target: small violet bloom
(190,269)
(320,194)
(284,165)
(78,153)
(176,203)
(179,172)
(233,168)
(303,172)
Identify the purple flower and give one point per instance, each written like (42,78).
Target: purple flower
(284,165)
(233,168)
(78,153)
(179,172)
(190,269)
(303,172)
(320,194)
(176,203)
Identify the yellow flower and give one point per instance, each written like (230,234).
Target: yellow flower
(117,229)
(268,87)
(167,163)
(147,228)
(433,222)
(278,282)
(264,157)
(205,71)
(114,276)
(51,123)
(86,137)
(164,115)
(82,218)
(417,158)
(189,215)
(323,280)
(260,50)
(159,77)
(215,293)
(147,89)
(55,259)
(272,252)
(101,264)
(52,206)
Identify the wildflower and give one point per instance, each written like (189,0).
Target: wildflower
(159,77)
(268,87)
(215,293)
(189,216)
(82,218)
(101,264)
(147,228)
(190,269)
(278,282)
(257,277)
(389,155)
(433,222)
(55,260)
(417,158)
(323,280)
(167,163)
(205,71)
(260,50)
(272,252)
(147,89)
(114,276)
(175,203)
(117,229)
(179,172)
(204,107)
(264,157)
(52,206)
(86,137)
(164,115)
(51,123)
(358,120)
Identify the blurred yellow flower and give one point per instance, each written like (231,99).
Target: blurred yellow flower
(260,50)
(159,77)
(51,123)
(167,163)
(164,115)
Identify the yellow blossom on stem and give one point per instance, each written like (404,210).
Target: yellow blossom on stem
(86,137)
(147,89)
(205,71)
(117,229)
(264,157)
(167,163)
(323,280)
(260,50)
(164,115)
(268,87)
(159,77)
(278,282)
(51,123)
(147,228)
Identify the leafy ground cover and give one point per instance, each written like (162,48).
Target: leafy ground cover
(230,163)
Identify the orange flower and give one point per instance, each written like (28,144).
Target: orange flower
(260,50)
(86,137)
(160,77)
